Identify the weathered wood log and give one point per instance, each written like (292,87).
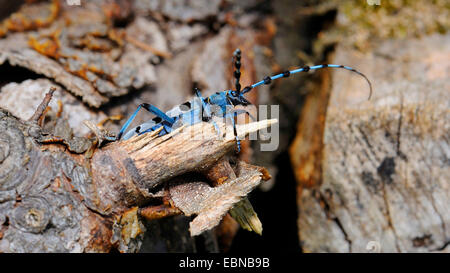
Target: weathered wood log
(380,176)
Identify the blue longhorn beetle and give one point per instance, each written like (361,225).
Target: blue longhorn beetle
(220,104)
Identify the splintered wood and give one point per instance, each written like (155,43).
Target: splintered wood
(157,159)
(384,166)
(147,161)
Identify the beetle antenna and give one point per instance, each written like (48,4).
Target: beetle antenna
(237,70)
(285,74)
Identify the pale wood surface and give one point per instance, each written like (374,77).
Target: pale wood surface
(385,167)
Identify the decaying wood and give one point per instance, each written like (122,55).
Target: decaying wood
(383,183)
(30,17)
(32,60)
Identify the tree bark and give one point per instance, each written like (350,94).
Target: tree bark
(383,168)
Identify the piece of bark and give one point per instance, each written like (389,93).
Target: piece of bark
(89,57)
(384,168)
(213,202)
(15,51)
(243,211)
(39,212)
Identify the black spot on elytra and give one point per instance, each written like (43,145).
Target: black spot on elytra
(423,241)
(387,169)
(188,104)
(370,181)
(157,119)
